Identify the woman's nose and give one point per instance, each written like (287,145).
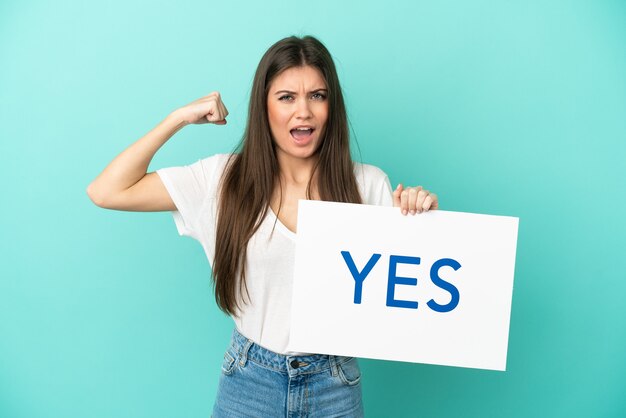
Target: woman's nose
(303,109)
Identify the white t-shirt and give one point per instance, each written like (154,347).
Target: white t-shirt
(270,260)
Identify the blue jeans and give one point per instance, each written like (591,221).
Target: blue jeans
(256,382)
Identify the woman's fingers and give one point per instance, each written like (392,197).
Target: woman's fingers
(421,197)
(223,108)
(430,202)
(417,199)
(396,196)
(414,200)
(404,201)
(216,111)
(207,109)
(221,111)
(435,199)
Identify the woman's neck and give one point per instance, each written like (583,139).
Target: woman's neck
(296,171)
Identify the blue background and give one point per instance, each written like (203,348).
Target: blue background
(501,107)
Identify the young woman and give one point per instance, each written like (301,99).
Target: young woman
(242,208)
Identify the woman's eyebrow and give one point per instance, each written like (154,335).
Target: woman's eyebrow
(293,92)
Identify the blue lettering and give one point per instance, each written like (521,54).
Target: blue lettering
(359,277)
(437,281)
(394,280)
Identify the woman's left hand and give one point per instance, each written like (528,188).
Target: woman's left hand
(414,199)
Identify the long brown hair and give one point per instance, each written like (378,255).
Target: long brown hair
(252,173)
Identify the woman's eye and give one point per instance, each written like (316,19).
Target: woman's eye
(286,97)
(319,96)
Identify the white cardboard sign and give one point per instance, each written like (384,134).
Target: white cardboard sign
(431,288)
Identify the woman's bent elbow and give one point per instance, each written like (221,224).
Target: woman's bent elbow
(95,197)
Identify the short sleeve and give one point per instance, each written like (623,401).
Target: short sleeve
(193,189)
(374,185)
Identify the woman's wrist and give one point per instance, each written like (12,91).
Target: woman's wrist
(177,118)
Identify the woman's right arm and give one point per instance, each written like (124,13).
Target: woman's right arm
(124,183)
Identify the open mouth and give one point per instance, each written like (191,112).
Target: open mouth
(301,133)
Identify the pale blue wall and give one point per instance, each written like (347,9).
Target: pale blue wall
(503,107)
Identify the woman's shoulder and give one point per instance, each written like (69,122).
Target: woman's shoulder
(368,172)
(216,159)
(206,172)
(214,165)
(373,184)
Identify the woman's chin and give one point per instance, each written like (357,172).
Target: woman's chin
(301,152)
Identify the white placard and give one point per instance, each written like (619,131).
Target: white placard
(434,288)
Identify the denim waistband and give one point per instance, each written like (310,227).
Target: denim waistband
(243,349)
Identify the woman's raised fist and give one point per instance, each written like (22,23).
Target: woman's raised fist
(207,109)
